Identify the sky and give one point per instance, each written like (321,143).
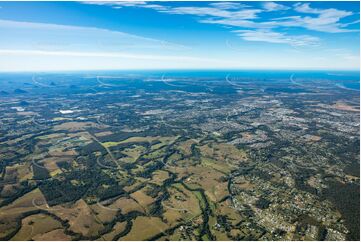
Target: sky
(57,36)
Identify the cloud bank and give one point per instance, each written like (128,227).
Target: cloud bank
(253,24)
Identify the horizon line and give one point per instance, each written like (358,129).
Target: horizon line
(183,69)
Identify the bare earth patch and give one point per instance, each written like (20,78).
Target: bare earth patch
(345,107)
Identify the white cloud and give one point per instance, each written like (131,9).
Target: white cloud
(320,23)
(239,15)
(350,57)
(215,12)
(117,3)
(121,4)
(345,54)
(9,24)
(199,11)
(332,12)
(103,54)
(40,60)
(242,23)
(79,36)
(243,16)
(272,6)
(216,9)
(275,37)
(327,20)
(228,5)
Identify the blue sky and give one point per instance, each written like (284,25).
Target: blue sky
(41,36)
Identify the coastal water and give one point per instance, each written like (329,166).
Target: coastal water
(355,86)
(347,79)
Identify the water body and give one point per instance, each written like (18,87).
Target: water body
(350,79)
(346,79)
(263,74)
(354,86)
